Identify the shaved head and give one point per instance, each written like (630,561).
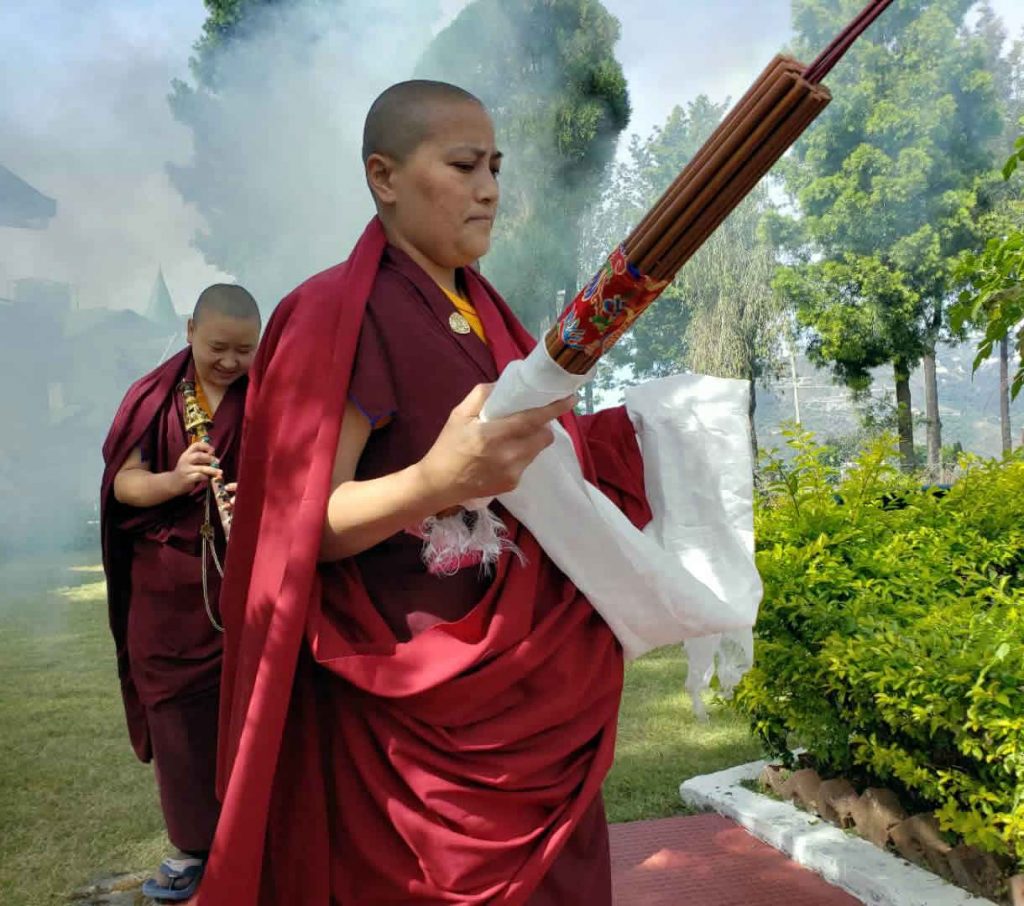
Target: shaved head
(401,119)
(224,331)
(432,167)
(226,299)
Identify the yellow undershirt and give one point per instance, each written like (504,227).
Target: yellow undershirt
(465,308)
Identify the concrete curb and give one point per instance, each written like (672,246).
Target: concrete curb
(863,870)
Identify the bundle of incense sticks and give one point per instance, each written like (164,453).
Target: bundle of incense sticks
(770,117)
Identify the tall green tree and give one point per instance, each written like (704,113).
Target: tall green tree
(738,322)
(547,71)
(1005,59)
(885,186)
(993,297)
(720,315)
(227,21)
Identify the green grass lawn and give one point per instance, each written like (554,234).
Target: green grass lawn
(661,743)
(75,803)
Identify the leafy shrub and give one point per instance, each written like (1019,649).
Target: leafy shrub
(891,640)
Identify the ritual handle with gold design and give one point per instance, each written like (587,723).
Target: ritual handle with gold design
(198,424)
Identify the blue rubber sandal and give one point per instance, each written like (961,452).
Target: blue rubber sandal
(175,870)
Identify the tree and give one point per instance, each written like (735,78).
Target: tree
(993,294)
(885,183)
(547,72)
(275,107)
(993,299)
(1007,68)
(1005,195)
(655,345)
(227,21)
(990,277)
(1004,395)
(720,315)
(735,330)
(864,315)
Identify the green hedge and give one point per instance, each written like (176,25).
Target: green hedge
(891,640)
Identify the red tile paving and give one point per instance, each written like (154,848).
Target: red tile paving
(707,860)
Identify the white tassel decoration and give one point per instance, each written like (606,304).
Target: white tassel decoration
(475,537)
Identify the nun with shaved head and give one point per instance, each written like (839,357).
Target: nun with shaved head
(162,554)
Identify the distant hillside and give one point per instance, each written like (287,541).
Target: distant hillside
(968,406)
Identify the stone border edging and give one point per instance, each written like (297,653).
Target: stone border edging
(860,868)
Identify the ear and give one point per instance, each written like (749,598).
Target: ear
(380,176)
(190,331)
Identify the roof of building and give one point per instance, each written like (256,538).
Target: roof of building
(160,309)
(21,205)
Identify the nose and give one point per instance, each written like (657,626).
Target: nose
(488,191)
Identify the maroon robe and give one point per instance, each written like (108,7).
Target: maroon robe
(169,654)
(405,336)
(389,736)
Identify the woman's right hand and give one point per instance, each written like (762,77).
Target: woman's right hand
(474,459)
(194,467)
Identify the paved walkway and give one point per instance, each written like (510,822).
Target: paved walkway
(707,860)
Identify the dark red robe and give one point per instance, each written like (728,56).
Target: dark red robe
(168,652)
(413,740)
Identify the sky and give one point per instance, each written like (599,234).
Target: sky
(84,118)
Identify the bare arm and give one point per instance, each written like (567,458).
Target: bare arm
(361,514)
(469,459)
(136,484)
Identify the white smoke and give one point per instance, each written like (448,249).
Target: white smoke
(83,118)
(290,193)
